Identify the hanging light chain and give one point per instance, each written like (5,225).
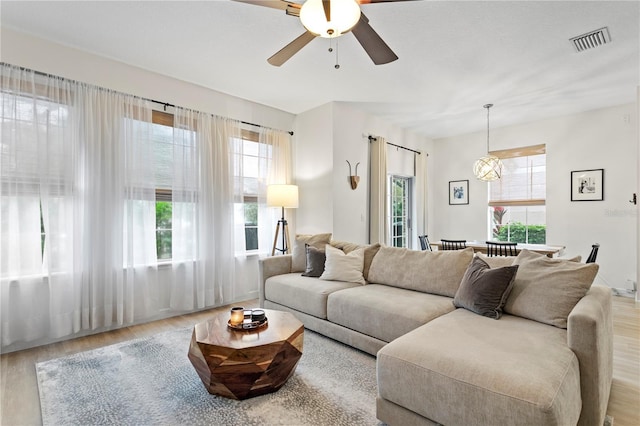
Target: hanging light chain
(487,106)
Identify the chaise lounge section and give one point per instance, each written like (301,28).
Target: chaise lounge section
(547,360)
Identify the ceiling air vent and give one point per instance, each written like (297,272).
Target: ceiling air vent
(591,39)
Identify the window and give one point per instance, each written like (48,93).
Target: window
(517,210)
(250,207)
(400,204)
(21,177)
(163,229)
(168,142)
(251,159)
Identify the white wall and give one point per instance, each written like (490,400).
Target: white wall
(600,139)
(313,170)
(326,137)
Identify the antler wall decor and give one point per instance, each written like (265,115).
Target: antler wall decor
(353,179)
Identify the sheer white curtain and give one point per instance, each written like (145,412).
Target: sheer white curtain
(202,211)
(378,198)
(422,213)
(260,159)
(77,250)
(279,171)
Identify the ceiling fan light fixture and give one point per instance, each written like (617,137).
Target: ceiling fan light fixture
(345,14)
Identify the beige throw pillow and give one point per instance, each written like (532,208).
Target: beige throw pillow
(299,252)
(546,289)
(369,253)
(343,267)
(436,272)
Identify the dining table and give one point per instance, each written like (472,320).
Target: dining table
(481,247)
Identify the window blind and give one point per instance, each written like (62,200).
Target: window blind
(523,181)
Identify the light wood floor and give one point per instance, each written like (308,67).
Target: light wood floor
(20,403)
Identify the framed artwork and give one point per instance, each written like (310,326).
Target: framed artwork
(458,192)
(587,185)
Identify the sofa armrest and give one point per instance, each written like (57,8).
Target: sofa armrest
(590,337)
(269,267)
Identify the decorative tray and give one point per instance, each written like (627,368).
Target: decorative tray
(248,324)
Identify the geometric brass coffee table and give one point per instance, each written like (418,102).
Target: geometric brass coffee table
(241,364)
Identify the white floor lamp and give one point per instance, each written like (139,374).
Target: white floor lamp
(283,196)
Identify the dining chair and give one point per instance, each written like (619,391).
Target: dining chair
(593,254)
(502,248)
(453,244)
(424,242)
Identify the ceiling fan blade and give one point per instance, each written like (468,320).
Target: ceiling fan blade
(274,4)
(326,4)
(291,49)
(379,1)
(379,52)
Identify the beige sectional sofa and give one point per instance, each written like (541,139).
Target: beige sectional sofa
(545,360)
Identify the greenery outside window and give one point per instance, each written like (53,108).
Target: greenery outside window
(400,194)
(163,229)
(251,223)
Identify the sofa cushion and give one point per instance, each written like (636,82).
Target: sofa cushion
(436,272)
(369,253)
(316,258)
(305,294)
(384,312)
(464,369)
(343,267)
(484,290)
(496,261)
(547,289)
(500,261)
(299,252)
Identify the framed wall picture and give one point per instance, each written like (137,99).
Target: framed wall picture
(458,192)
(587,185)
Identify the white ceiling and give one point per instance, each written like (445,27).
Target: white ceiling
(455,56)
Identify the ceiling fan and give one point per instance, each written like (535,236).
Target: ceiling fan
(330,19)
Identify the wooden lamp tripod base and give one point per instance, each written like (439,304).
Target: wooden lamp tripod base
(282,223)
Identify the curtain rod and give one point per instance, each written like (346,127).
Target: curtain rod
(165,104)
(373,138)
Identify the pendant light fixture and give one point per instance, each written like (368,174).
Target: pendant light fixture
(489,167)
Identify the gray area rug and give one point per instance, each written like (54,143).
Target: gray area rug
(150,381)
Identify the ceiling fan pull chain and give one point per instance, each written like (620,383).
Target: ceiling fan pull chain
(337,66)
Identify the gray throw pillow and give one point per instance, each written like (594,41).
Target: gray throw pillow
(299,254)
(315,261)
(484,290)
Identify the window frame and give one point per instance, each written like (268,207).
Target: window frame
(525,203)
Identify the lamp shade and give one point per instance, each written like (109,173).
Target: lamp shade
(345,14)
(282,196)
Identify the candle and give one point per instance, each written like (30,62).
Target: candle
(237,315)
(257,315)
